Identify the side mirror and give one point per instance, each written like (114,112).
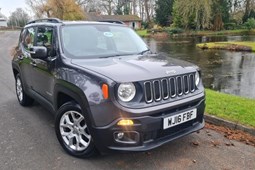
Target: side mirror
(39,52)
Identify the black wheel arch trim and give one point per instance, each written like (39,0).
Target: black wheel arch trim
(75,93)
(15,67)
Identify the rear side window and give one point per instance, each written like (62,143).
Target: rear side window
(28,38)
(22,34)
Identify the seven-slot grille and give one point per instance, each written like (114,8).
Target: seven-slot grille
(166,88)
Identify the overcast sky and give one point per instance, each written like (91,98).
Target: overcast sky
(8,6)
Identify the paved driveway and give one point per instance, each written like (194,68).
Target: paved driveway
(27,139)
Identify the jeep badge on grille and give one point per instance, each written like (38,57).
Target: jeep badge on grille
(170,71)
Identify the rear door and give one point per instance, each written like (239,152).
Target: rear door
(25,48)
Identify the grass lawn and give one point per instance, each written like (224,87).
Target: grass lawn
(142,33)
(230,107)
(236,46)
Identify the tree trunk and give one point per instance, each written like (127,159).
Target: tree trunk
(48,14)
(247,10)
(218,23)
(134,7)
(141,9)
(147,10)
(110,8)
(198,20)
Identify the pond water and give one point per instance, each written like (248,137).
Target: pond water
(224,71)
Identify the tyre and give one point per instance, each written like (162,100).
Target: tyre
(23,98)
(72,131)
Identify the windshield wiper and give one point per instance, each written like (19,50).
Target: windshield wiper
(141,53)
(116,55)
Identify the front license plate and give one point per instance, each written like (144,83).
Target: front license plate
(179,118)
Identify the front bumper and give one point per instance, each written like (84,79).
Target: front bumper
(150,129)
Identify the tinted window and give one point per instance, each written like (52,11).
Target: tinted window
(44,36)
(88,41)
(22,34)
(28,38)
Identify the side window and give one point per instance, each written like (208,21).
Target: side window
(28,38)
(22,34)
(44,37)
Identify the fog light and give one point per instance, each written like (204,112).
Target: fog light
(125,122)
(126,137)
(120,135)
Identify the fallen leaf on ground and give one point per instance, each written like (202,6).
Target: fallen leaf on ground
(215,143)
(148,153)
(233,134)
(195,143)
(228,144)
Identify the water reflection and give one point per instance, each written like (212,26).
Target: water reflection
(225,71)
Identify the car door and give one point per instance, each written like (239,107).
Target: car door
(25,48)
(43,69)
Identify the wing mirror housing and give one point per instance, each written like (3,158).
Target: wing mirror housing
(39,52)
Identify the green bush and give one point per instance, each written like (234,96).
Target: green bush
(230,26)
(156,30)
(172,30)
(145,25)
(250,23)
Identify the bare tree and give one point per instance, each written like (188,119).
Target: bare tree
(146,6)
(92,5)
(108,5)
(146,9)
(141,9)
(39,8)
(18,18)
(134,7)
(152,6)
(249,6)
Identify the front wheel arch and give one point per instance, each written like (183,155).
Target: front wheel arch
(72,93)
(75,95)
(15,72)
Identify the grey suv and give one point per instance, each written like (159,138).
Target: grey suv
(107,90)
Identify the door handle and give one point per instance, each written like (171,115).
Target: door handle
(33,63)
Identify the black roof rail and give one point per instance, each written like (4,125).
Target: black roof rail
(112,21)
(52,20)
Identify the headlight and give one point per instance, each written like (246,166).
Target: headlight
(197,78)
(126,92)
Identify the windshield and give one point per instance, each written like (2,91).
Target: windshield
(93,41)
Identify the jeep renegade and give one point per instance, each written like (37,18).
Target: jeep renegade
(107,90)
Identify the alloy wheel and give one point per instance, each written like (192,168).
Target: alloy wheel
(19,89)
(74,131)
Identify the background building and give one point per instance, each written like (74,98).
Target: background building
(3,20)
(133,21)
